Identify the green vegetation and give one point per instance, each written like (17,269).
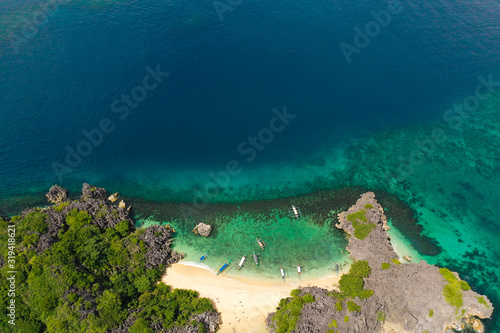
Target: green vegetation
(346,319)
(88,268)
(359,215)
(351,306)
(308,298)
(288,313)
(380,316)
(351,284)
(431,312)
(333,324)
(448,275)
(34,221)
(396,261)
(295,292)
(453,291)
(338,306)
(464,286)
(61,206)
(362,228)
(386,265)
(360,268)
(482,301)
(453,295)
(368,206)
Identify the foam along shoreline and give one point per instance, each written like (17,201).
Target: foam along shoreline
(244,302)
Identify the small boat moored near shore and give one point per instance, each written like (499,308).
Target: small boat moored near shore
(295,212)
(204,257)
(261,243)
(282,273)
(242,262)
(223,267)
(256,259)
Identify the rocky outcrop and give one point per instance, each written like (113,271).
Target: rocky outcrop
(407,297)
(203,229)
(113,197)
(210,319)
(92,192)
(93,201)
(57,194)
(158,240)
(376,248)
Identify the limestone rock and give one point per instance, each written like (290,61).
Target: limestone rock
(478,325)
(211,320)
(57,194)
(92,192)
(113,197)
(158,240)
(403,292)
(202,229)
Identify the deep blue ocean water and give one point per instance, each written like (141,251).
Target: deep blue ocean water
(354,121)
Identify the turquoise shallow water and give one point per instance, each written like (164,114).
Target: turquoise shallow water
(366,124)
(311,241)
(288,243)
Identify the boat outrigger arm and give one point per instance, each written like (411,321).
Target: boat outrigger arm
(256,259)
(223,267)
(295,212)
(242,262)
(204,257)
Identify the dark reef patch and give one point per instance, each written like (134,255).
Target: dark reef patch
(318,204)
(405,220)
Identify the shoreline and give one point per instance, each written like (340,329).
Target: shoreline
(244,302)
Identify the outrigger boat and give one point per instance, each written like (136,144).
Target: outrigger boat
(261,243)
(242,262)
(256,259)
(204,257)
(295,212)
(282,273)
(223,267)
(298,269)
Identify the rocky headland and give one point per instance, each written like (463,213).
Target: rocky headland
(381,294)
(83,266)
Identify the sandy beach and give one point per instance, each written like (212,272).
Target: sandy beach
(244,302)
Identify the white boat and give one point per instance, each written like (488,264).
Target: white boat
(242,262)
(282,273)
(295,212)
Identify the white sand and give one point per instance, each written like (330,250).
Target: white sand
(243,302)
(402,246)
